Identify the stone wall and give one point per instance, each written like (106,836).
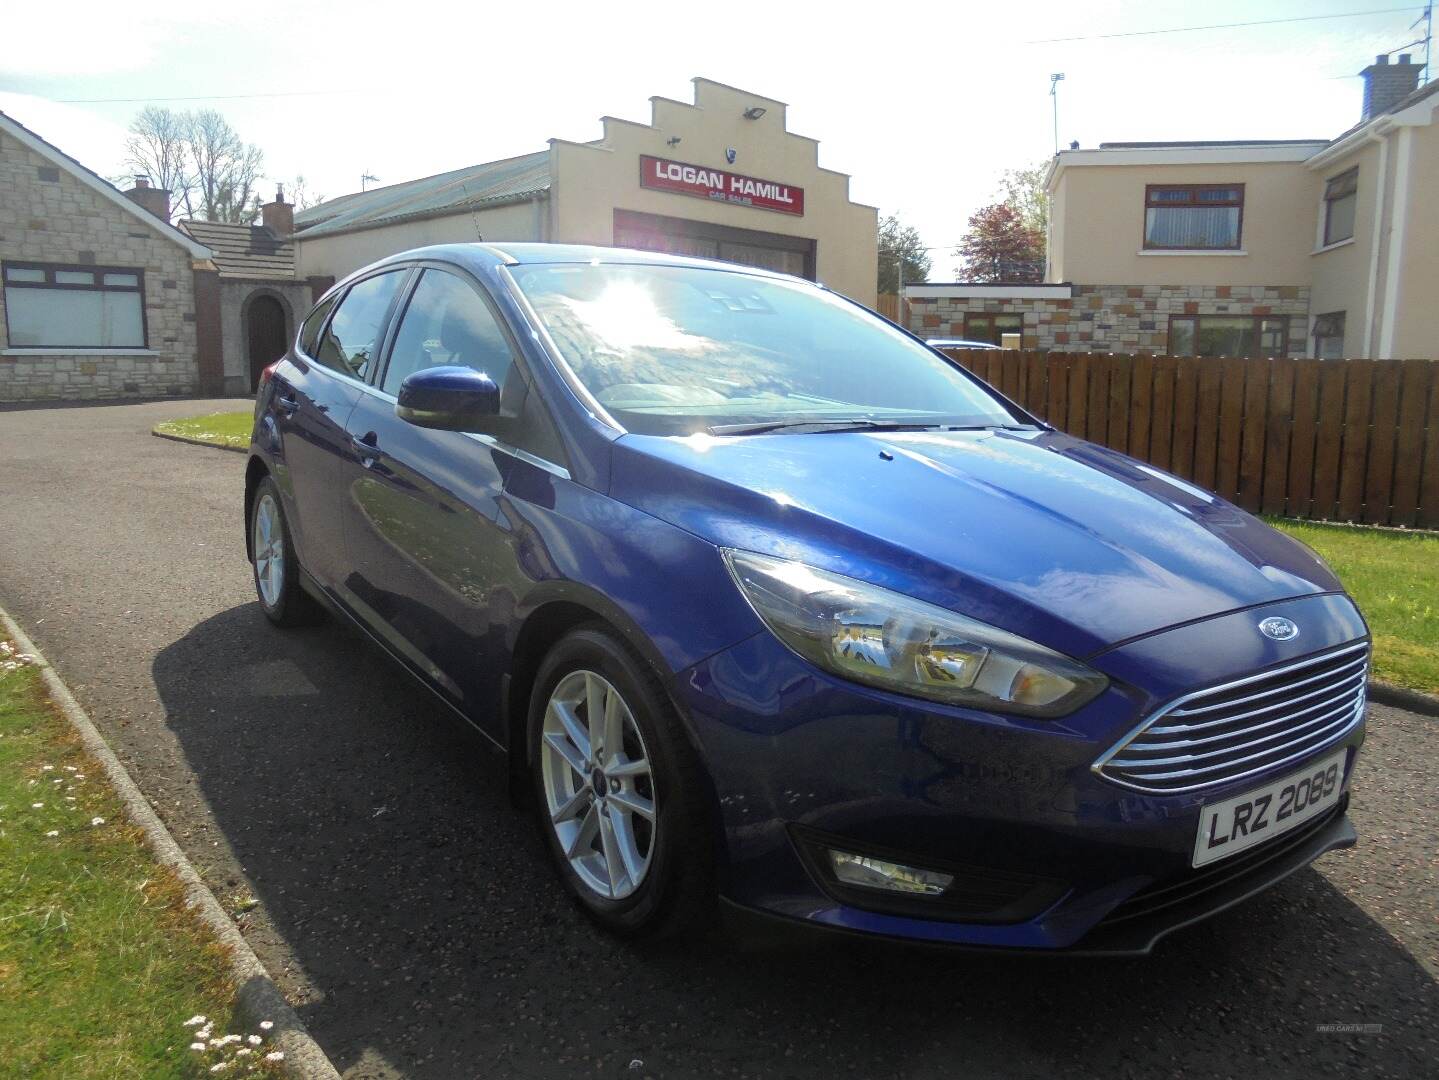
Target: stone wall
(1115,318)
(48,215)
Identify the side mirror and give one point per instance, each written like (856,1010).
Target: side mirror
(448,398)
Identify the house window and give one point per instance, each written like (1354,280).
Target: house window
(49,306)
(1250,336)
(1341,193)
(994,328)
(1329,336)
(1196,217)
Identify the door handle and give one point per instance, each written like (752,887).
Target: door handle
(288,404)
(367,446)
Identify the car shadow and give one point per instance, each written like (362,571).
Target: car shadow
(432,940)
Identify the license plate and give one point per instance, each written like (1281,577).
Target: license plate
(1237,824)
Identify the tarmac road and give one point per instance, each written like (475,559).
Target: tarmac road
(406,908)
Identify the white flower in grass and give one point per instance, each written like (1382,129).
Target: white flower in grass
(219,1067)
(46,768)
(266,1025)
(36,805)
(275,1055)
(71,768)
(97,821)
(194,1021)
(204,1032)
(53,832)
(197,1046)
(244,1051)
(254,1040)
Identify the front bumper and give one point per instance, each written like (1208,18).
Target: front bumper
(793,751)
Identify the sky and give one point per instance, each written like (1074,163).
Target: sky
(924,104)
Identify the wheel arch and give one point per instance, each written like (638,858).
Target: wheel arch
(560,609)
(255,471)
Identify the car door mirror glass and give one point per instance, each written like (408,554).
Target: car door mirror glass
(448,398)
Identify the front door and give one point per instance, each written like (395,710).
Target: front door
(424,529)
(264,334)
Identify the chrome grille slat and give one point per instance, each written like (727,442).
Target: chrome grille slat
(1208,739)
(1194,710)
(1321,734)
(1323,700)
(1328,678)
(1145,762)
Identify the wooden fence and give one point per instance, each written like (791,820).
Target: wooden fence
(887,304)
(1339,440)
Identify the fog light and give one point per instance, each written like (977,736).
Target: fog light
(871,873)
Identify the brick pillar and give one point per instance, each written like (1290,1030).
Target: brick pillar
(209,347)
(319,285)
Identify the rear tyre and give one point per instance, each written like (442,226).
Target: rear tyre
(272,558)
(622,802)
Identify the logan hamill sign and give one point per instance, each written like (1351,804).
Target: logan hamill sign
(662,174)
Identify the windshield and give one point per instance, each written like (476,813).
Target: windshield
(676,350)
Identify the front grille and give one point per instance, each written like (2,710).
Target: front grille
(1245,727)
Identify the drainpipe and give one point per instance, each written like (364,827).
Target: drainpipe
(1372,305)
(1404,152)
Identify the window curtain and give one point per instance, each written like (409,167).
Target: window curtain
(1191,227)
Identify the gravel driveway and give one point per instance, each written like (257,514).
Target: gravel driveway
(407,910)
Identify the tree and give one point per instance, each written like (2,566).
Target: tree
(226,169)
(899,241)
(1022,190)
(301,195)
(158,147)
(999,246)
(199,158)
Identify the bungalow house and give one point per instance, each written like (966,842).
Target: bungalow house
(101,297)
(100,293)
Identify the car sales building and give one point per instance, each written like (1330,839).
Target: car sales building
(721,178)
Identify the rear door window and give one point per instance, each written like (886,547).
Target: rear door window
(314,323)
(351,342)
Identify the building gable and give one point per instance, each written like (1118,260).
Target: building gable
(102,188)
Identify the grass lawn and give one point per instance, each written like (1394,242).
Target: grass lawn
(217,429)
(1394,576)
(101,964)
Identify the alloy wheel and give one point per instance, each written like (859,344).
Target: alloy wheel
(598,785)
(268,542)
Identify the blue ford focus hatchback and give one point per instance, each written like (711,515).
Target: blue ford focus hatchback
(774,607)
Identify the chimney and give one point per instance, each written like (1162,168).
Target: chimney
(154,199)
(1386,84)
(278,216)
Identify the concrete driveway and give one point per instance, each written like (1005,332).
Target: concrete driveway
(408,912)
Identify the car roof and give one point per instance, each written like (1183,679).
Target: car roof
(485,255)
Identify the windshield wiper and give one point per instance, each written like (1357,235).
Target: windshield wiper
(859,423)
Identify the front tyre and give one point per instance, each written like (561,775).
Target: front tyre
(622,800)
(272,558)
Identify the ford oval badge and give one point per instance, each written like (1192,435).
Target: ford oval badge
(1280,629)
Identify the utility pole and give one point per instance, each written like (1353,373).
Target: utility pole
(1054,81)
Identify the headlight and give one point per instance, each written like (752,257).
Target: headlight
(894,642)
